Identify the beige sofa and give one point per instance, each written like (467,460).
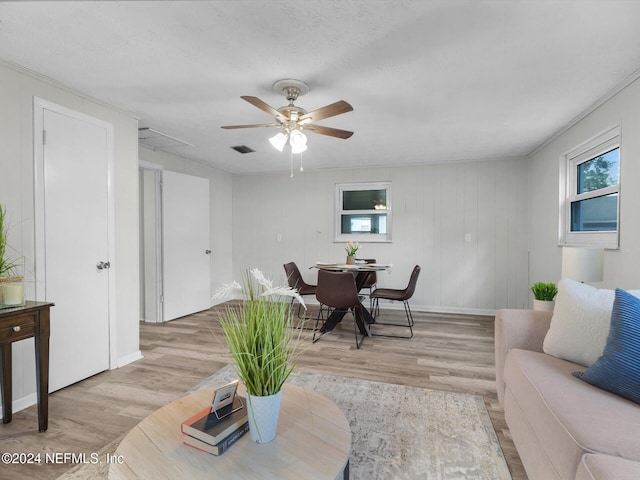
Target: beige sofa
(563,427)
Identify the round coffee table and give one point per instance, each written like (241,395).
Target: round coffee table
(313,442)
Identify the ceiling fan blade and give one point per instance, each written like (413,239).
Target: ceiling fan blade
(332,110)
(332,132)
(255,125)
(256,102)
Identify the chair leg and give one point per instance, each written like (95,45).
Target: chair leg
(407,311)
(304,318)
(355,331)
(315,329)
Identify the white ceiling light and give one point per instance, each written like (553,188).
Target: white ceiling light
(279,141)
(298,141)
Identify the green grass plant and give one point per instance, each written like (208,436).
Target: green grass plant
(261,336)
(544,291)
(6,265)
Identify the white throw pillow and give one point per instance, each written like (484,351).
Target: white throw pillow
(580,322)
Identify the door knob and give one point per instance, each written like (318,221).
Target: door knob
(207,252)
(103,265)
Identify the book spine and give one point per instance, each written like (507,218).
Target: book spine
(191,445)
(231,439)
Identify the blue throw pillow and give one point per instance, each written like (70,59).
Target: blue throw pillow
(618,369)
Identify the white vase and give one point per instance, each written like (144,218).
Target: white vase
(11,292)
(263,416)
(545,305)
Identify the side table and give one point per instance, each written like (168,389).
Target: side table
(19,323)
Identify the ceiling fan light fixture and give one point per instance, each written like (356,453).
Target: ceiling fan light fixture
(298,148)
(291,119)
(297,139)
(279,141)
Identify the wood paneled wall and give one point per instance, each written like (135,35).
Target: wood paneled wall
(277,219)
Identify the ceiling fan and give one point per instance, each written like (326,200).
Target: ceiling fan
(292,119)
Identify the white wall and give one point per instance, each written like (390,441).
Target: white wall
(621,267)
(220,185)
(434,206)
(17,89)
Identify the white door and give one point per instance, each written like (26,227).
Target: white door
(185,244)
(75,175)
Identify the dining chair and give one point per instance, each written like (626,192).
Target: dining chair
(397,295)
(295,280)
(370,281)
(338,291)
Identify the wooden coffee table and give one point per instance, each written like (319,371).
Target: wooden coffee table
(313,442)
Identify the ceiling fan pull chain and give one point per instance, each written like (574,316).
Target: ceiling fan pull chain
(291,152)
(301,169)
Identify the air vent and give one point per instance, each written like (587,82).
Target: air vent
(155,140)
(243,149)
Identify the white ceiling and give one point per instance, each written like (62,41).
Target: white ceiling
(430,81)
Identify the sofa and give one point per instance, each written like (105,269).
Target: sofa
(563,427)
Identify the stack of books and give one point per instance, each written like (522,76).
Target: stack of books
(215,432)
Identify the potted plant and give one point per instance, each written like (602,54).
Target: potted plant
(543,295)
(11,287)
(351,248)
(265,346)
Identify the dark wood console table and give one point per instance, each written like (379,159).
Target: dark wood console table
(19,323)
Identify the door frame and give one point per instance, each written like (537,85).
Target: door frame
(159,277)
(39,106)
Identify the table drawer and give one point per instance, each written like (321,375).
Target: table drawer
(21,328)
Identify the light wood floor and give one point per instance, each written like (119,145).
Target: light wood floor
(448,352)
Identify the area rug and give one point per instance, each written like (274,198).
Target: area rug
(401,432)
(397,432)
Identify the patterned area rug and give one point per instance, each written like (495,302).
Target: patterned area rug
(397,432)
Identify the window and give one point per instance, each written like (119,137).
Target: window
(363,212)
(590,192)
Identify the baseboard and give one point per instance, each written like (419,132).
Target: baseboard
(22,403)
(126,360)
(454,310)
(425,308)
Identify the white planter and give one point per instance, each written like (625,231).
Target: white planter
(544,305)
(11,292)
(263,416)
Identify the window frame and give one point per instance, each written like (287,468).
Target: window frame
(602,143)
(339,211)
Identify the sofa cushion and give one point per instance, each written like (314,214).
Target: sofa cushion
(580,322)
(606,467)
(567,416)
(618,369)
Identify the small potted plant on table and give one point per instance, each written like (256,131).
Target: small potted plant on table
(11,287)
(543,295)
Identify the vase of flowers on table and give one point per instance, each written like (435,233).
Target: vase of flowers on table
(351,248)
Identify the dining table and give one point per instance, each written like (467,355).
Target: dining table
(361,272)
